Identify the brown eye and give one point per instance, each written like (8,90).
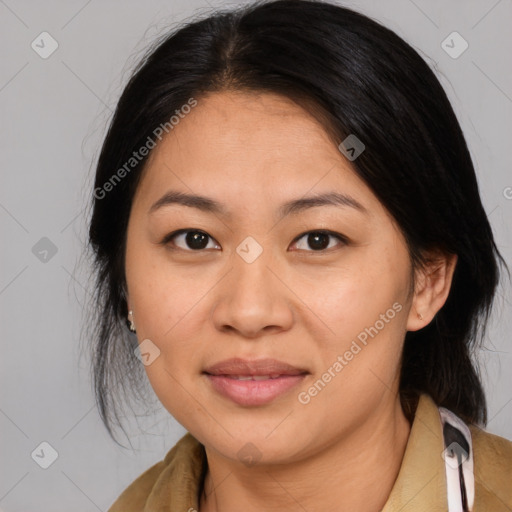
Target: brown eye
(319,240)
(191,240)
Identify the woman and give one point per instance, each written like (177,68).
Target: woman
(287,216)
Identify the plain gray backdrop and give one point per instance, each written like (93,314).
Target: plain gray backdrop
(54,113)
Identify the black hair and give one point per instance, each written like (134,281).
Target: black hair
(360,78)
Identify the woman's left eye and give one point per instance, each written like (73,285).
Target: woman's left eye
(319,240)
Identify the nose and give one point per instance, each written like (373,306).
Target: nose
(253,299)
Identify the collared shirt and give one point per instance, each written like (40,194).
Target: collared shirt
(173,484)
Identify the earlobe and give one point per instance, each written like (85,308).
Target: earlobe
(131,323)
(432,287)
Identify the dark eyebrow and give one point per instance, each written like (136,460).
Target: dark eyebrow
(328,198)
(202,203)
(208,205)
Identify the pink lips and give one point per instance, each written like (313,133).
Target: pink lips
(251,383)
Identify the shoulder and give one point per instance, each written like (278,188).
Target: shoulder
(184,458)
(492,456)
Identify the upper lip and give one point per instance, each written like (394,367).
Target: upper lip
(238,366)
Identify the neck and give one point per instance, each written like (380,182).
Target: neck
(354,472)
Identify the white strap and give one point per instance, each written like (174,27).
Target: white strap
(458,452)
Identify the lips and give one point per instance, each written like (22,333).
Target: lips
(253,383)
(237,367)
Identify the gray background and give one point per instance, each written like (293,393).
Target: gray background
(54,113)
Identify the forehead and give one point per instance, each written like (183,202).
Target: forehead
(244,125)
(250,147)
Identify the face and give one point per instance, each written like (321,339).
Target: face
(323,287)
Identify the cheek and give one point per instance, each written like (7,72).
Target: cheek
(352,297)
(175,391)
(170,313)
(359,361)
(158,296)
(364,308)
(160,303)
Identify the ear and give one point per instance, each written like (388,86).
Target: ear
(432,286)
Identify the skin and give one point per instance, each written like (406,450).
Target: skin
(252,152)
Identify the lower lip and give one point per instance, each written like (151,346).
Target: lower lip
(254,392)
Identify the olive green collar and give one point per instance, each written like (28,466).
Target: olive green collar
(420,485)
(175,483)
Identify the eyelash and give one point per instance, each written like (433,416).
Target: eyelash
(167,239)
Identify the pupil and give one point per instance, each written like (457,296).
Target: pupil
(314,243)
(196,240)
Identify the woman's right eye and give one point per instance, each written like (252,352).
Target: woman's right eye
(191,240)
